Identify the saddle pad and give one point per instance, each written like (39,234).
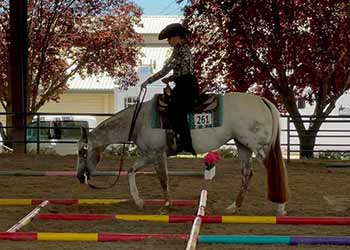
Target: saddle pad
(207,119)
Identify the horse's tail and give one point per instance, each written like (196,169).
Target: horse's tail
(277,178)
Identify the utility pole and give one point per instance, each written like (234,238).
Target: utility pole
(18,71)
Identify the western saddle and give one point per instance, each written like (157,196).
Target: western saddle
(205,102)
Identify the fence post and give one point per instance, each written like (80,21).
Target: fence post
(38,133)
(25,131)
(288,139)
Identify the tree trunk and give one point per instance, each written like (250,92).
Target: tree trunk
(18,69)
(9,131)
(307,137)
(307,141)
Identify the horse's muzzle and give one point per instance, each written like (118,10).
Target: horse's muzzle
(83,176)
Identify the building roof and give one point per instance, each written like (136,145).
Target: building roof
(151,55)
(98,83)
(154,24)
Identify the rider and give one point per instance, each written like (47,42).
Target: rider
(185,92)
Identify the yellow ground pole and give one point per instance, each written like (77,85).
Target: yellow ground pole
(151,218)
(249,219)
(68,236)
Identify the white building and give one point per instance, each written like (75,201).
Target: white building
(154,54)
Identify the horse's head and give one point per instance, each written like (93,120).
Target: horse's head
(88,157)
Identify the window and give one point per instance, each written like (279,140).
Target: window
(64,130)
(71,129)
(144,70)
(32,131)
(129,101)
(55,131)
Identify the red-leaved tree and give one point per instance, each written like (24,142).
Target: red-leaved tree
(283,50)
(70,37)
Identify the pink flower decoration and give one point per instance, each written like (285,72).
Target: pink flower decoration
(211,159)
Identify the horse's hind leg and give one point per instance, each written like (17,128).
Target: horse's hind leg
(261,155)
(245,157)
(161,169)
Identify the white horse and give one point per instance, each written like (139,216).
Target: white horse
(252,121)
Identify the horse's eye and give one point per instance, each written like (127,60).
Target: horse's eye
(86,147)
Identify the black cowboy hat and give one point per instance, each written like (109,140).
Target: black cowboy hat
(174,29)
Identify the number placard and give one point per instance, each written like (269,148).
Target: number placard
(203,120)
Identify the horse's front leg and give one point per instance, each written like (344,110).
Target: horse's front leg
(161,169)
(138,164)
(247,173)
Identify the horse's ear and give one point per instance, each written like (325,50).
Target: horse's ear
(83,134)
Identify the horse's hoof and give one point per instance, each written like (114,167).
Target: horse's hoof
(232,208)
(139,203)
(281,209)
(282,213)
(165,210)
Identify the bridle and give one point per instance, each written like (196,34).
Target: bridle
(138,106)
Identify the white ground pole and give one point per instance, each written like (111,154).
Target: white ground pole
(192,241)
(27,218)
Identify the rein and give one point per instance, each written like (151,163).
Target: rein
(137,110)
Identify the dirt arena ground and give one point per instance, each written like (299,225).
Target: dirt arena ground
(315,191)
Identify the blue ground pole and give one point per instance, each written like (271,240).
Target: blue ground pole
(274,240)
(242,239)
